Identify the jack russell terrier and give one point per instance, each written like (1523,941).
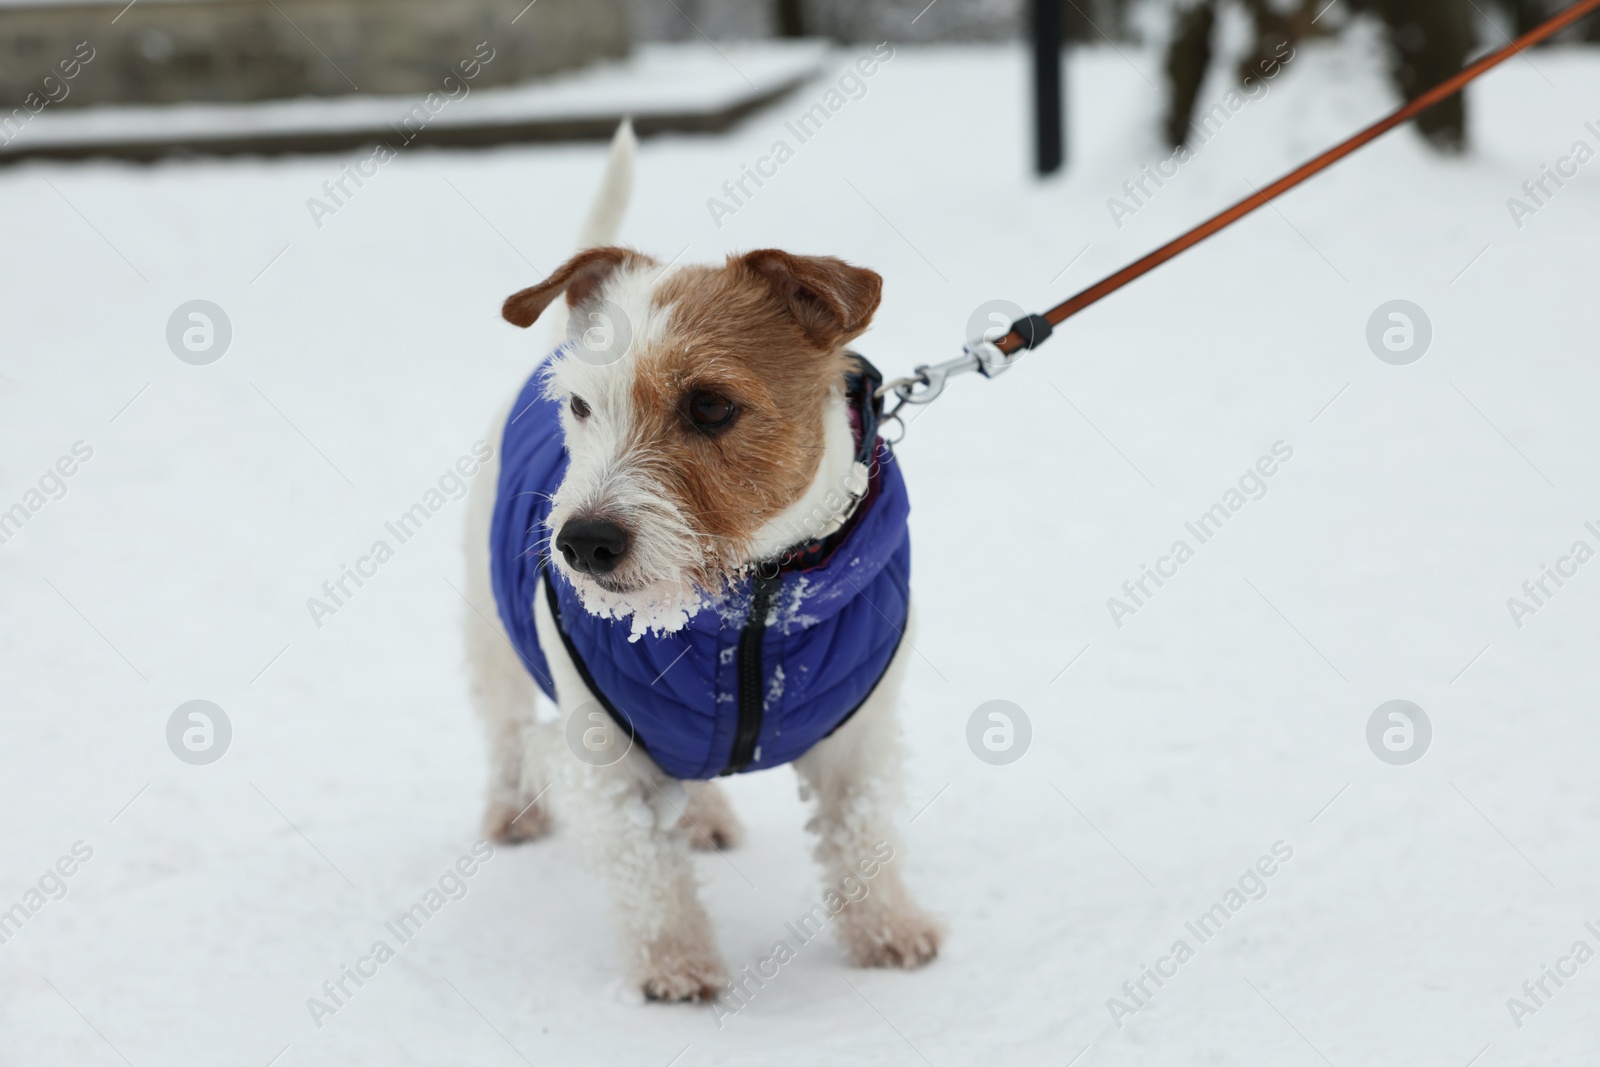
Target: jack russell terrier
(698,548)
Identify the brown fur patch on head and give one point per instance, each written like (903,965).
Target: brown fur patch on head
(579,277)
(768,332)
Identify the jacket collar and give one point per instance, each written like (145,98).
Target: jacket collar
(866,411)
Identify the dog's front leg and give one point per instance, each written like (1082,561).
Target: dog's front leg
(854,776)
(502,689)
(627,816)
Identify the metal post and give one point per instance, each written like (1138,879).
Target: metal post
(1049,142)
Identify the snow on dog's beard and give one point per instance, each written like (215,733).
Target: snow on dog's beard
(714,425)
(610,476)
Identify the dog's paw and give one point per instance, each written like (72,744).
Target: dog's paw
(892,939)
(677,973)
(507,824)
(709,820)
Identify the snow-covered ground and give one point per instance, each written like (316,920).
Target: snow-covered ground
(1169,754)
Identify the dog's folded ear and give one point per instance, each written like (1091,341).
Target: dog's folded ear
(832,301)
(579,277)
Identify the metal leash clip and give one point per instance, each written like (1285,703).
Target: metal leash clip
(925,383)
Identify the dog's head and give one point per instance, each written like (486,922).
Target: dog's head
(698,404)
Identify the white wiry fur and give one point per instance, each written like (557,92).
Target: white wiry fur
(611,473)
(637,825)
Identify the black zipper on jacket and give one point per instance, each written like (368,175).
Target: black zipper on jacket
(751,677)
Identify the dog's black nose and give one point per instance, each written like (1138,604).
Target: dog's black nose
(592,546)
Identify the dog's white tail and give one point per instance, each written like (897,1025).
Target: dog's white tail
(611,200)
(605,213)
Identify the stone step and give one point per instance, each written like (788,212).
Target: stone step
(688,87)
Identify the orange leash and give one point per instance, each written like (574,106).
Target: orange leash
(1014,340)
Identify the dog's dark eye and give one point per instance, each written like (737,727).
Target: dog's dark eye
(711,411)
(580,408)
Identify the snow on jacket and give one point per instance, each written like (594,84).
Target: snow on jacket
(750,682)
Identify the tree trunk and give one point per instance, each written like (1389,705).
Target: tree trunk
(1188,58)
(1429,41)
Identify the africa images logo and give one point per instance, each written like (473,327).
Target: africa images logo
(1252,885)
(851,85)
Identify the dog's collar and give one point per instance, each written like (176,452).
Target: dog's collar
(866,412)
(861,390)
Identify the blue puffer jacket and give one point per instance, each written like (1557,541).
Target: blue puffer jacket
(749,683)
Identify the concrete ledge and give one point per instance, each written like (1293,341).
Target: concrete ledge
(178,51)
(668,87)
